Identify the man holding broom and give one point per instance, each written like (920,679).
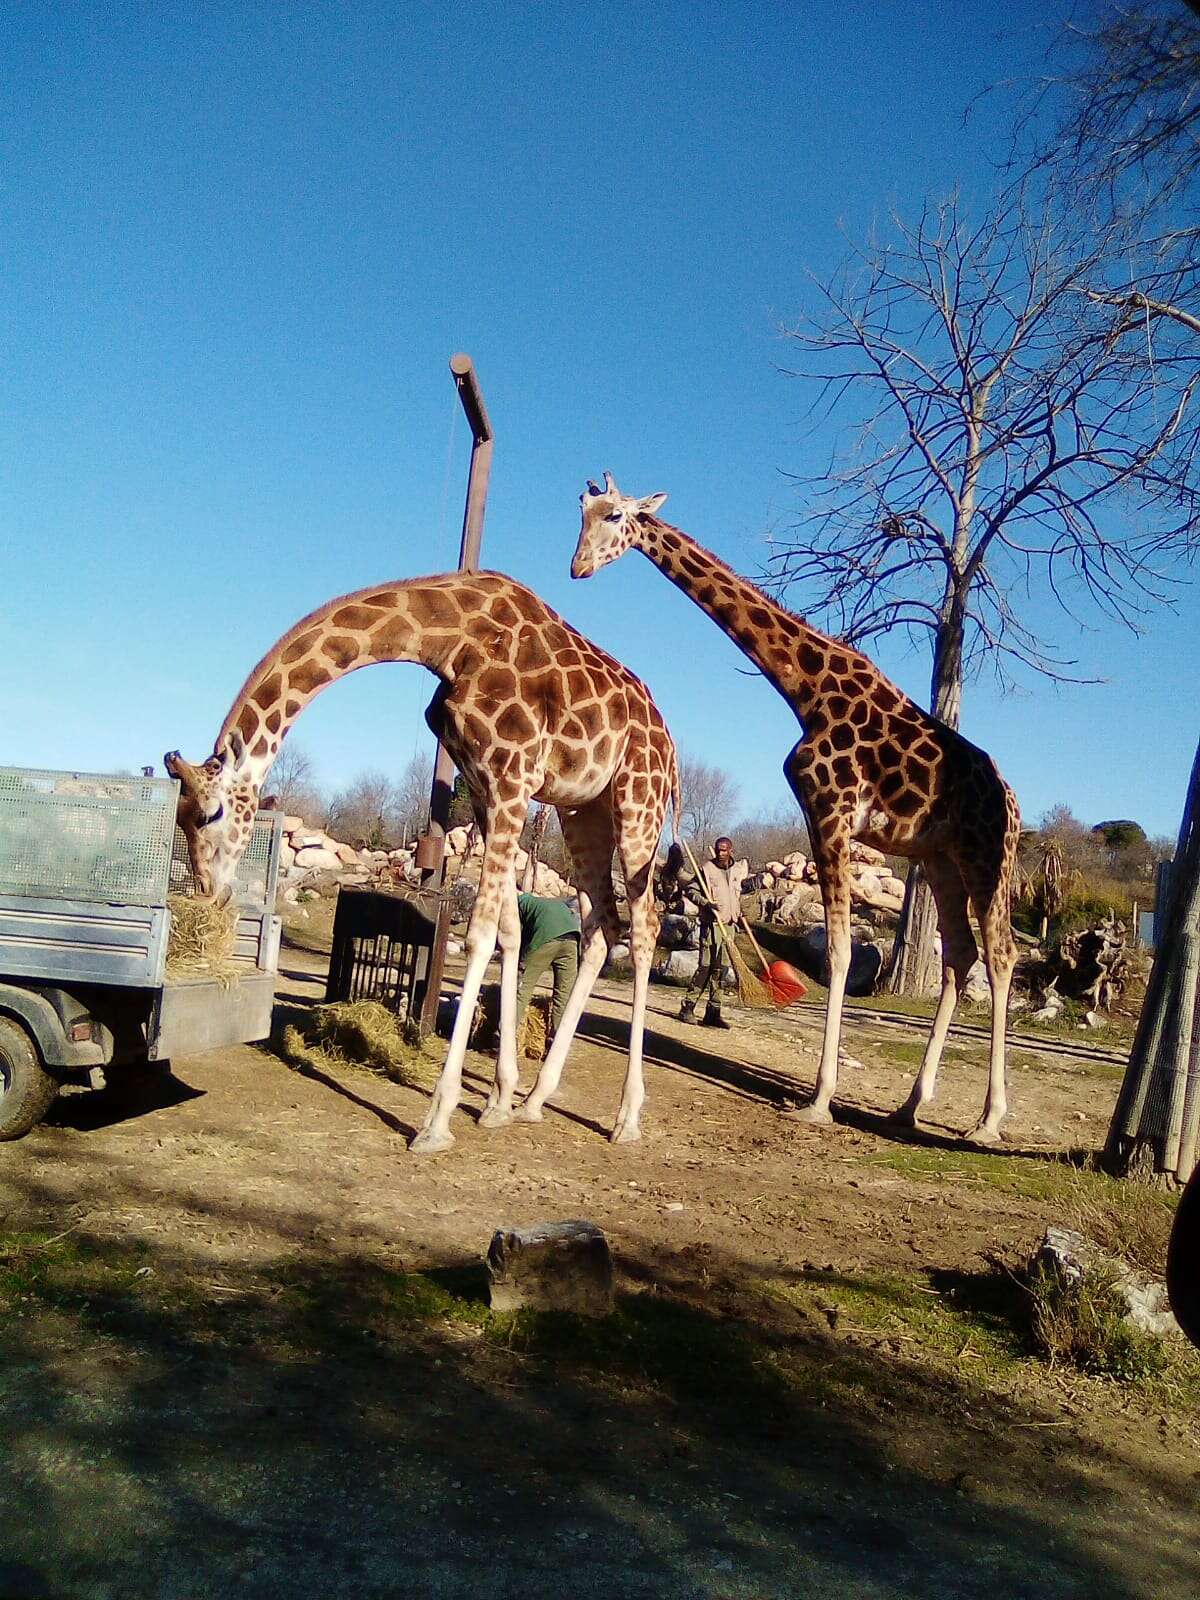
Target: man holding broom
(718,893)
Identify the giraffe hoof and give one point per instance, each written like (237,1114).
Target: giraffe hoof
(817,1116)
(428,1143)
(528,1113)
(496,1117)
(983,1135)
(905,1116)
(624,1135)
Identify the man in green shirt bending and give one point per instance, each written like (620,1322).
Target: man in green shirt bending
(549,943)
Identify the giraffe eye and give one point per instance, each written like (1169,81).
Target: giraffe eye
(614,516)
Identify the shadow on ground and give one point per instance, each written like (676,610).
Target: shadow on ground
(169,1426)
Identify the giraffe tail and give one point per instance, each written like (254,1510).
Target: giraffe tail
(676,795)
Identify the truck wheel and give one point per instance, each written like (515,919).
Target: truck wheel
(26,1088)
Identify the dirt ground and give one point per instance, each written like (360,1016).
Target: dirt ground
(251,1397)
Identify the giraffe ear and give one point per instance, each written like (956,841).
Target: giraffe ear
(233,749)
(651,503)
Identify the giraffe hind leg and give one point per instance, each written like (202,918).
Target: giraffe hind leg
(959,954)
(991,904)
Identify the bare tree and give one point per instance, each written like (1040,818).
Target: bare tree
(411,799)
(293,782)
(708,797)
(364,813)
(1129,140)
(986,411)
(771,835)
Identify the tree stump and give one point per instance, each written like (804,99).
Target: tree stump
(551,1266)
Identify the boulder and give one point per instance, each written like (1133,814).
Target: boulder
(866,853)
(346,855)
(551,1266)
(1068,1255)
(315,858)
(677,932)
(680,965)
(866,960)
(286,855)
(293,824)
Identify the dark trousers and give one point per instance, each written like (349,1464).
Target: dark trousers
(709,968)
(559,957)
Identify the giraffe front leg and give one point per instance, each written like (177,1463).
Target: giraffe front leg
(494,877)
(829,831)
(999,955)
(498,1112)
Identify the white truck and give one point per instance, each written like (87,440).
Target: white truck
(86,864)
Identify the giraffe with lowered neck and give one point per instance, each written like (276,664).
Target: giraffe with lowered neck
(528,709)
(871,765)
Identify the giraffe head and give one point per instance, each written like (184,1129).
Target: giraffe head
(217,802)
(609,525)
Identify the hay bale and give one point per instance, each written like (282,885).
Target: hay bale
(202,939)
(533,1036)
(360,1034)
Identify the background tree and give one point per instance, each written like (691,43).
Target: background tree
(985,411)
(771,835)
(1129,142)
(293,781)
(364,813)
(708,799)
(411,796)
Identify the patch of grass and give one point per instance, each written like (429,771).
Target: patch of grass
(911,1052)
(362,1034)
(1083,1324)
(1032,1180)
(40,1270)
(950,1316)
(1123,1216)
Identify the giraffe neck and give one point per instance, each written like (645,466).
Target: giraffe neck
(418,620)
(790,654)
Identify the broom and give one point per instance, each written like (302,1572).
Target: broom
(752,992)
(783,982)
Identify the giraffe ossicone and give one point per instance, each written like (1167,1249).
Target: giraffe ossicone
(871,765)
(529,709)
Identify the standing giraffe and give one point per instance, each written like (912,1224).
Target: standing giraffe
(872,766)
(528,709)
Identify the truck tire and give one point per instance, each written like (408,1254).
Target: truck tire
(26,1088)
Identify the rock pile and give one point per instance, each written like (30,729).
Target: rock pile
(310,859)
(792,897)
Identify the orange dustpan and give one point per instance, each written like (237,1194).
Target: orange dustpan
(783,983)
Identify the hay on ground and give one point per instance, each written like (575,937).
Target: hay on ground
(202,939)
(360,1034)
(533,1036)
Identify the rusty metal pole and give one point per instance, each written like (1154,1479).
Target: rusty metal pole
(431,848)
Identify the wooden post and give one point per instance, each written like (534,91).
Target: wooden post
(430,854)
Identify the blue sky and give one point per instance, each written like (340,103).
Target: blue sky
(241,243)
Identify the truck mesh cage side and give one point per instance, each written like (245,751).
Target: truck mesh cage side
(86,836)
(257,871)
